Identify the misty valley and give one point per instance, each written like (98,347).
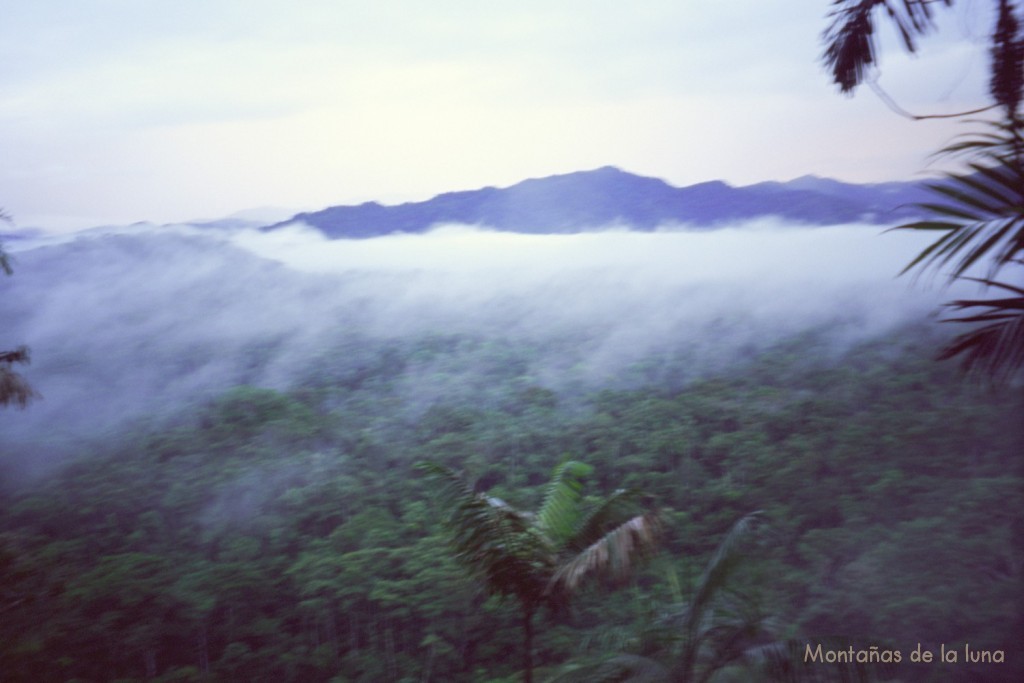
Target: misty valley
(222,480)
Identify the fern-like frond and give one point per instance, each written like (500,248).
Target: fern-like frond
(453,487)
(560,511)
(494,540)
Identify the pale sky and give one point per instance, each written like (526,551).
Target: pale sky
(116,111)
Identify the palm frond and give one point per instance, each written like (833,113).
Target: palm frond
(850,43)
(1000,142)
(599,519)
(850,37)
(981,221)
(991,183)
(719,569)
(454,487)
(559,512)
(995,347)
(612,555)
(972,199)
(1005,83)
(695,623)
(492,539)
(981,218)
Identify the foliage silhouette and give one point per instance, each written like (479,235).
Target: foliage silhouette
(850,45)
(980,215)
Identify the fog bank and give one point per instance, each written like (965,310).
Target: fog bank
(152,320)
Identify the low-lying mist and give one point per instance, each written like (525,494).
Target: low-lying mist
(138,323)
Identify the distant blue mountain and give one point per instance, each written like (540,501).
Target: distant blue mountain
(588,200)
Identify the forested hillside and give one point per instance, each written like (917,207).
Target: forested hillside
(286,535)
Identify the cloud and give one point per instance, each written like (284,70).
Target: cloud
(154,320)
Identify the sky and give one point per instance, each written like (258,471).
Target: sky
(117,111)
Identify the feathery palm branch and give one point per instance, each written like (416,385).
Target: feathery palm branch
(850,37)
(980,216)
(982,211)
(996,347)
(981,221)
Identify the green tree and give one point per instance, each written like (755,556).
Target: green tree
(541,558)
(980,218)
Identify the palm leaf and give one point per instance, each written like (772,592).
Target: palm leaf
(996,347)
(998,285)
(599,519)
(997,174)
(849,39)
(560,510)
(962,189)
(455,491)
(491,538)
(611,555)
(727,556)
(982,212)
(1001,142)
(993,188)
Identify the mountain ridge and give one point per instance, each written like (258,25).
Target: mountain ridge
(609,196)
